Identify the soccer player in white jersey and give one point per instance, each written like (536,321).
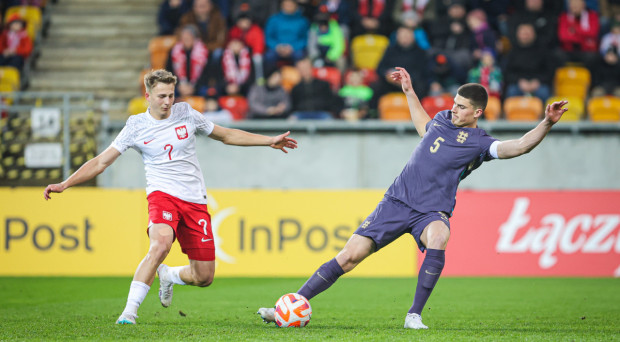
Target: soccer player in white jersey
(165,136)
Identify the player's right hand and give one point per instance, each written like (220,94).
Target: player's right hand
(405,80)
(58,188)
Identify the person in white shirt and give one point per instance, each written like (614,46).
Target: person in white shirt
(165,136)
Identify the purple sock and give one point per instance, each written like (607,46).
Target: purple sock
(427,278)
(322,279)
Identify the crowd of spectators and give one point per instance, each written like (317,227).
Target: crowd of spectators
(511,47)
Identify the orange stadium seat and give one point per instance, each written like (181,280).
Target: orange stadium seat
(523,108)
(32,16)
(9,78)
(159,47)
(290,77)
(576,107)
(494,109)
(572,81)
(197,102)
(237,105)
(394,107)
(328,74)
(137,105)
(367,50)
(435,104)
(604,108)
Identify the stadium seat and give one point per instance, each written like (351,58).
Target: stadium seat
(435,104)
(26,174)
(12,174)
(329,74)
(137,105)
(9,78)
(394,107)
(237,105)
(494,109)
(54,174)
(604,108)
(30,14)
(197,102)
(572,81)
(159,47)
(576,107)
(40,174)
(290,77)
(523,108)
(367,50)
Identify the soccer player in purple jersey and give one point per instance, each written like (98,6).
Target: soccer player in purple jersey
(422,198)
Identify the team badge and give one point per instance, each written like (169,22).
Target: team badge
(462,136)
(181,132)
(167,216)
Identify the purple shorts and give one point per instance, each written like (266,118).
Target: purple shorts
(393,218)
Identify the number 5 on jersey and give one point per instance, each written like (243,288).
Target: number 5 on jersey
(436,144)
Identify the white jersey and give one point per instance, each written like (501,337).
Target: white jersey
(168,149)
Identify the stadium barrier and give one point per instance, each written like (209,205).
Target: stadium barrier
(87,231)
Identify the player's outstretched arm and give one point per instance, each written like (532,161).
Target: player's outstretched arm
(514,148)
(88,171)
(418,114)
(231,136)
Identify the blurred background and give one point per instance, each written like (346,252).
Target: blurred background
(72,72)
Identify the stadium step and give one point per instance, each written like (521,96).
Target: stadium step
(97,63)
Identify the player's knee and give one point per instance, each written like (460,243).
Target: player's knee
(159,251)
(438,241)
(204,280)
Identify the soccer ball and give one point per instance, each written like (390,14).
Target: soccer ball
(292,310)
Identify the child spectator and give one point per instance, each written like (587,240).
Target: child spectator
(269,100)
(237,67)
(187,60)
(442,75)
(606,80)
(487,74)
(15,44)
(169,15)
(356,96)
(215,113)
(611,39)
(326,43)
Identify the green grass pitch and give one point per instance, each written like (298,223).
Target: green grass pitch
(354,309)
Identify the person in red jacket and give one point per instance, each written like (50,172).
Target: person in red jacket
(15,44)
(578,31)
(250,34)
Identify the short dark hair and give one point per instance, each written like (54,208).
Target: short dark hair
(475,93)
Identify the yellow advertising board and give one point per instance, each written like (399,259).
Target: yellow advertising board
(257,233)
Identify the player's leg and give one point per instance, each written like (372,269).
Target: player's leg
(435,238)
(161,237)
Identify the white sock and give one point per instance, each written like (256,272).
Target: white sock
(137,292)
(175,276)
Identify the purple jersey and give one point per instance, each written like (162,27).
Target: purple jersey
(445,156)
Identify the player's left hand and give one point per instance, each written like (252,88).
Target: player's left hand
(58,188)
(555,110)
(282,142)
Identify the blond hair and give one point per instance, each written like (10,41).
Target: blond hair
(158,76)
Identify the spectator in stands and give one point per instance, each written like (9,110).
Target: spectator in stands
(443,79)
(488,74)
(372,17)
(578,31)
(286,34)
(412,20)
(269,100)
(252,36)
(326,43)
(215,113)
(407,54)
(312,98)
(451,37)
(187,60)
(237,67)
(15,44)
(529,68)
(355,97)
(544,22)
(211,25)
(482,34)
(169,15)
(261,9)
(606,75)
(612,38)
(341,11)
(496,12)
